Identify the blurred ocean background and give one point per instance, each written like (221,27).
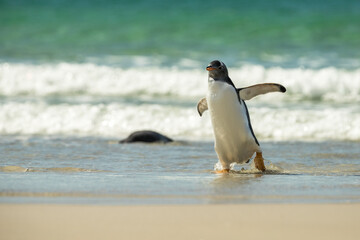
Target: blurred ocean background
(77,76)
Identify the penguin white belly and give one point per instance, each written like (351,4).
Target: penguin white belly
(234,141)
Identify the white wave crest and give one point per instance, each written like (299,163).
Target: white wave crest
(115,120)
(94,80)
(327,84)
(118,120)
(319,104)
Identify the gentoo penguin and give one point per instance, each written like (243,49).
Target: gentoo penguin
(146,136)
(235,141)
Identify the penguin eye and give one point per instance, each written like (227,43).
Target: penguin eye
(220,68)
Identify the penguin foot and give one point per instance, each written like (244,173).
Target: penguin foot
(259,162)
(222,171)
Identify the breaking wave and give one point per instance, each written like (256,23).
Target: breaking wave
(95,100)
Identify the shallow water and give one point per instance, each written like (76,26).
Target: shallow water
(100,171)
(74,80)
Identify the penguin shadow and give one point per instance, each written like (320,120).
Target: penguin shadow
(235,179)
(239,178)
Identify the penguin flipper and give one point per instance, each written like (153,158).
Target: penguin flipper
(248,93)
(202,106)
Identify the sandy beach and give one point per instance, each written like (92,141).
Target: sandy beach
(243,221)
(76,77)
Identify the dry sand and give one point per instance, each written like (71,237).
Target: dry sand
(253,221)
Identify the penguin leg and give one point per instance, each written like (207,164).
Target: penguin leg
(222,171)
(225,167)
(259,161)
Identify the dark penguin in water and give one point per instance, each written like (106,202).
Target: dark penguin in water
(235,141)
(146,136)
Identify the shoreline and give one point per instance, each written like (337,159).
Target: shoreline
(88,198)
(248,221)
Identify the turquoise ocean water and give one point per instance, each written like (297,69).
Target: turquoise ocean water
(77,76)
(279,32)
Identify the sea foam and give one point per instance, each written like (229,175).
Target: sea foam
(95,100)
(327,84)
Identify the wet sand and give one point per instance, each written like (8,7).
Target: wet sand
(242,221)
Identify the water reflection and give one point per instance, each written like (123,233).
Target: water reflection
(233,187)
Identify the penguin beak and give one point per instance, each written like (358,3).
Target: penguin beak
(210,68)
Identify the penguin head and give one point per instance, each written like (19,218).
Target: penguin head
(217,70)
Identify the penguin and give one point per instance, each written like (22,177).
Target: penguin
(235,141)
